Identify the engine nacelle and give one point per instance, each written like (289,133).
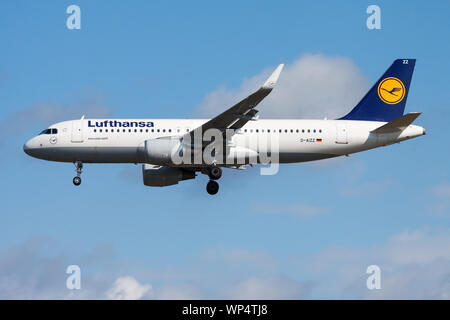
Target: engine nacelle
(170,151)
(157,176)
(161,151)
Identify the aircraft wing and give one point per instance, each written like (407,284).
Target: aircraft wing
(242,112)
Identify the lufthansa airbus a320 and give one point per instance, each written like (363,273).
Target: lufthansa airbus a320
(172,150)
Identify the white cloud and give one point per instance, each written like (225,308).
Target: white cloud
(179,292)
(414,265)
(239,258)
(42,114)
(313,86)
(370,188)
(442,197)
(36,269)
(278,287)
(128,288)
(442,191)
(296,209)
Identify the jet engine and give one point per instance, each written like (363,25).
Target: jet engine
(157,176)
(161,151)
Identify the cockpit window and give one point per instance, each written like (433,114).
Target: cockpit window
(49,131)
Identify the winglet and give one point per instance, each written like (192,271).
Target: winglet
(272,81)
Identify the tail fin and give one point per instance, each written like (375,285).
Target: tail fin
(386,100)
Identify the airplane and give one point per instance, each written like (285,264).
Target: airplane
(159,144)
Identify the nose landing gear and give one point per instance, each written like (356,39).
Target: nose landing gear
(77,179)
(214,173)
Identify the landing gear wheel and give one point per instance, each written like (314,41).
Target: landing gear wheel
(212,187)
(215,173)
(77,181)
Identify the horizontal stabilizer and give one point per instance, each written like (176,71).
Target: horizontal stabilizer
(398,124)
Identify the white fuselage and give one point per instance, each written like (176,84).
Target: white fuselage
(123,140)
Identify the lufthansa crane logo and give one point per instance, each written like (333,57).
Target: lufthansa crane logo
(391,90)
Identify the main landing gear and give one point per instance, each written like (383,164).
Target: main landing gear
(212,187)
(77,179)
(214,173)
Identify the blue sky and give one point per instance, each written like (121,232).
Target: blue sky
(162,60)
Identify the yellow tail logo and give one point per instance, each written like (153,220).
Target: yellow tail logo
(391,90)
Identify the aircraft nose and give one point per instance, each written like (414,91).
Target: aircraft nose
(28,147)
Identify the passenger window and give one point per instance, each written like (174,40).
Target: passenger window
(153,130)
(309,131)
(164,130)
(170,130)
(296,131)
(100,130)
(157,130)
(135,130)
(314,130)
(303,130)
(256,130)
(285,130)
(95,130)
(268,130)
(280,130)
(292,131)
(320,130)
